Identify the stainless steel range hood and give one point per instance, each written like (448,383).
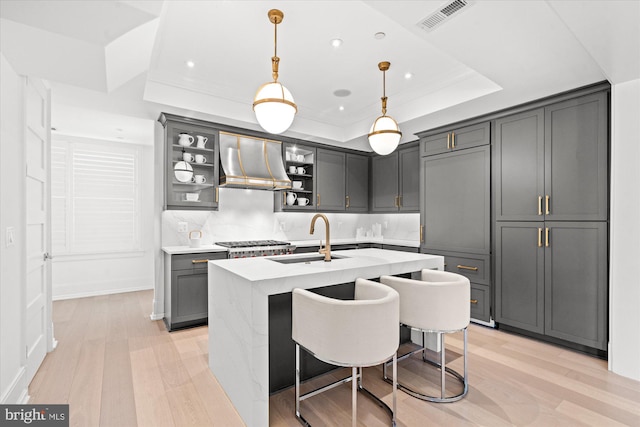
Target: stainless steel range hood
(249,162)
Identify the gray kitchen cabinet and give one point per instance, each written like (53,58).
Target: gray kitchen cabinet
(551,279)
(409,182)
(518,164)
(384,183)
(330,180)
(551,163)
(333,181)
(186,297)
(519,275)
(357,175)
(576,282)
(455,139)
(395,181)
(576,159)
(455,206)
(176,191)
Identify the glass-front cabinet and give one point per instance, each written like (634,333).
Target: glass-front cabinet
(191,180)
(299,162)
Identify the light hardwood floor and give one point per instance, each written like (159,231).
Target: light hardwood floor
(115,367)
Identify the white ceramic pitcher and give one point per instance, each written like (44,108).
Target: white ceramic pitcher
(291,198)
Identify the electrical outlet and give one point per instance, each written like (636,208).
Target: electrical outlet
(183,227)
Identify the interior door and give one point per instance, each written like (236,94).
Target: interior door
(38,333)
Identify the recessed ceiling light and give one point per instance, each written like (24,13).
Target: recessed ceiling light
(341,108)
(408,75)
(119,129)
(190,64)
(379,35)
(341,93)
(336,42)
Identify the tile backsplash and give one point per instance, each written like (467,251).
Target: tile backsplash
(248,215)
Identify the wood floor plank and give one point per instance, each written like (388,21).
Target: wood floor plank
(85,397)
(152,405)
(118,401)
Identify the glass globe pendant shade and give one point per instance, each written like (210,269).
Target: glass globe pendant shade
(384,135)
(274,107)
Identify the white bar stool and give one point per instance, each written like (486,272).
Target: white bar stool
(352,333)
(438,303)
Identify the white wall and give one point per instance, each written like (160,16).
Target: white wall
(13,387)
(624,296)
(76,276)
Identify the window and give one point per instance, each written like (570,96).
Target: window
(94,196)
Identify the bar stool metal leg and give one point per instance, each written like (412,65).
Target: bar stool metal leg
(441,364)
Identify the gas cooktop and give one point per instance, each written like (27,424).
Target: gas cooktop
(251,243)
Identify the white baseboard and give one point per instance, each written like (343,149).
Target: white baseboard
(157,316)
(18,391)
(98,292)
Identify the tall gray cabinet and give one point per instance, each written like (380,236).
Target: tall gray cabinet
(455,208)
(550,174)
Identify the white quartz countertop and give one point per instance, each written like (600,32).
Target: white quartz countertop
(172,250)
(360,261)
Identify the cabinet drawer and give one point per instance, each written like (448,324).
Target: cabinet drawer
(480,302)
(186,261)
(475,268)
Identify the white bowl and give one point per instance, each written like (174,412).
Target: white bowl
(192,197)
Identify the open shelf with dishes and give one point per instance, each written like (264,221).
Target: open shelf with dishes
(299,163)
(191,164)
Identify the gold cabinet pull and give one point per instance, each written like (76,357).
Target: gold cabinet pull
(466,267)
(539,237)
(546,237)
(395,201)
(421,233)
(453,140)
(539,205)
(318,200)
(284,199)
(217,194)
(546,204)
(400,201)
(199,261)
(448,141)
(474,301)
(348,202)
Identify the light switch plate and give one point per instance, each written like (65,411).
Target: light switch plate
(10,238)
(183,227)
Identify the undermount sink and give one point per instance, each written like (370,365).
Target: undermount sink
(304,260)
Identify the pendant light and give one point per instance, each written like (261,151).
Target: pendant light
(385,134)
(273,104)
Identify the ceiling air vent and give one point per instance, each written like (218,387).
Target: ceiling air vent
(444,13)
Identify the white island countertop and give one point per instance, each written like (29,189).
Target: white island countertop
(239,292)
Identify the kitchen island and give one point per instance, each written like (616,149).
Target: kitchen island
(239,292)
